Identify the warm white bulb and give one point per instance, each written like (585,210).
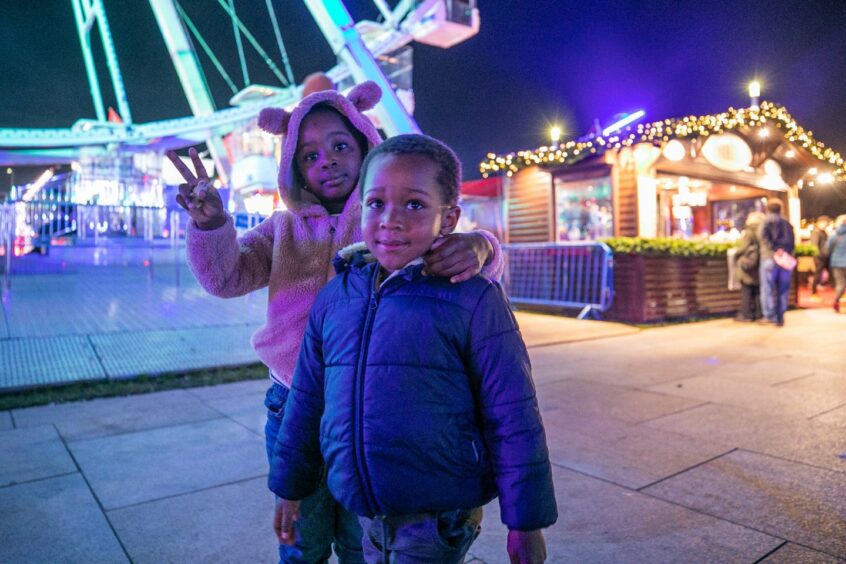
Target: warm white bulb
(555,134)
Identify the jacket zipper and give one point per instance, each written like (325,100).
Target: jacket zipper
(359,403)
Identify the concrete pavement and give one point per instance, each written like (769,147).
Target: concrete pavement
(703,442)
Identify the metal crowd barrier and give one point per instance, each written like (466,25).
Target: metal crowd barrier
(567,275)
(7,243)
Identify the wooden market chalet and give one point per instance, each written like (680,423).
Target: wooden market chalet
(688,177)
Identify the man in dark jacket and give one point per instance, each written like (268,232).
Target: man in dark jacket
(416,391)
(776,236)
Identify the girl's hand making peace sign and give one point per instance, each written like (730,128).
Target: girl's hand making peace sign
(197,195)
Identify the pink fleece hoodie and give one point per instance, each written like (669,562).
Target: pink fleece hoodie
(291,252)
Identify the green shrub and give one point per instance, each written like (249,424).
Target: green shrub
(667,246)
(805,250)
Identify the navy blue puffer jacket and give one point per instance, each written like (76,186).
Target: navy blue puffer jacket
(419,397)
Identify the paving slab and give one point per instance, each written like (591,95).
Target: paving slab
(791,438)
(230,523)
(541,330)
(111,416)
(786,499)
(6,421)
(614,450)
(31,454)
(602,522)
(233,389)
(584,398)
(55,520)
(818,381)
(754,396)
(147,465)
(836,417)
(247,410)
(638,360)
(157,352)
(794,554)
(104,299)
(29,362)
(768,370)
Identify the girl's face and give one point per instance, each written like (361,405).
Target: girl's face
(328,158)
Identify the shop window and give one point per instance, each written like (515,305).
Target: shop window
(583,209)
(731,215)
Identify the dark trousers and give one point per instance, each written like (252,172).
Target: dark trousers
(323,522)
(750,305)
(820,265)
(840,283)
(434,538)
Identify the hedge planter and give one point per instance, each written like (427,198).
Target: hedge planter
(650,289)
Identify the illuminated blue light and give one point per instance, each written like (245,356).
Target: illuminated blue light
(623,122)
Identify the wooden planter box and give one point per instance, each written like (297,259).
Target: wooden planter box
(649,289)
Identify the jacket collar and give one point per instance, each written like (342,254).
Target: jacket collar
(356,256)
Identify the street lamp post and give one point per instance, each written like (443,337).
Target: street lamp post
(555,134)
(754,93)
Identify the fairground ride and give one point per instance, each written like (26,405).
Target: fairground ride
(116,162)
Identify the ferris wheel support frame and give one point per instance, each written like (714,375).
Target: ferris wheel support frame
(191,76)
(339,30)
(86,14)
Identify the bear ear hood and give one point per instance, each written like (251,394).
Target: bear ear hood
(274,120)
(278,121)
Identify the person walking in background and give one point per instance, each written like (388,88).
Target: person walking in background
(776,242)
(819,239)
(837,260)
(747,260)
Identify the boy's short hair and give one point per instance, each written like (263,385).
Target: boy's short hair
(774,206)
(449,167)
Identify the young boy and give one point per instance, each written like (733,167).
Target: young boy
(417,392)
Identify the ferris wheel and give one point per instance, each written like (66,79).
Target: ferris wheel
(359,47)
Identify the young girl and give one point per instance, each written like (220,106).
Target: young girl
(325,140)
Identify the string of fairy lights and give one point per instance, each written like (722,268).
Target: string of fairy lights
(661,131)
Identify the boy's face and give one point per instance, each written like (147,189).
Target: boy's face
(328,158)
(403,211)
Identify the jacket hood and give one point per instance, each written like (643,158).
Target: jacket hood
(279,121)
(355,255)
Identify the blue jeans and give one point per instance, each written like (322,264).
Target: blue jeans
(775,287)
(439,538)
(322,519)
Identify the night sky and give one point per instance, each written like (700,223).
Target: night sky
(532,64)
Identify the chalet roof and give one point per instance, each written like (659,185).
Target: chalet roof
(742,121)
